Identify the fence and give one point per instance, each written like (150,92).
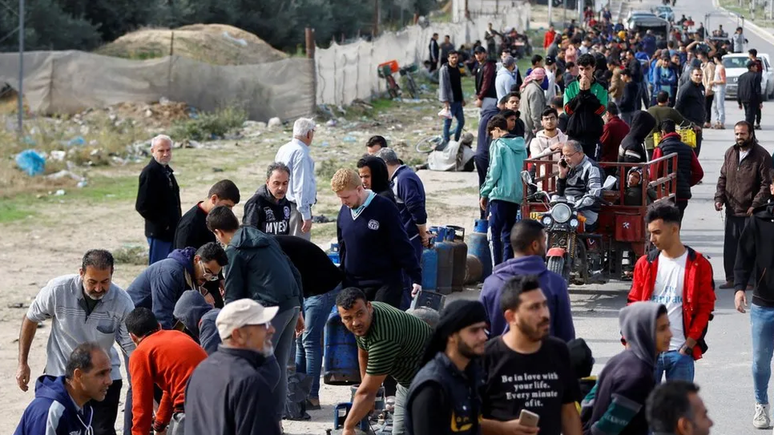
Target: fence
(348,72)
(71,81)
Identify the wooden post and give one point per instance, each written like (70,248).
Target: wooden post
(172,44)
(467,10)
(376,18)
(309,33)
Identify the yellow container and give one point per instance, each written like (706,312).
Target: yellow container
(687,135)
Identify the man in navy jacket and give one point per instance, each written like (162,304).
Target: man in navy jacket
(528,239)
(62,404)
(373,244)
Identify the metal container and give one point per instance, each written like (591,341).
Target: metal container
(341,364)
(473,270)
(478,246)
(445,261)
(456,236)
(429,265)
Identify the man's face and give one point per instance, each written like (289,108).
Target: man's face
(548,122)
(696,76)
(205,271)
(255,337)
(676,59)
(771,188)
(742,135)
(511,122)
(162,152)
(278,184)
(95,382)
(480,57)
(446,39)
(453,59)
(663,234)
(540,246)
(365,176)
(571,156)
(586,71)
(634,178)
(350,197)
(513,103)
(96,282)
(373,149)
(700,423)
(663,333)
(532,318)
(470,341)
(503,55)
(358,318)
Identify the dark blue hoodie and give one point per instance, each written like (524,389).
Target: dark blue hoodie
(482,142)
(553,286)
(54,408)
(160,285)
(199,319)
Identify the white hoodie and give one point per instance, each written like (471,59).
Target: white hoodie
(540,146)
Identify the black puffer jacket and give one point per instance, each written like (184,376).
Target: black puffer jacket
(686,176)
(266,213)
(632,149)
(756,253)
(690,102)
(749,88)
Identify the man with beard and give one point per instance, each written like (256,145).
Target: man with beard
(585,101)
(227,393)
(390,342)
(528,239)
(486,93)
(743,185)
(269,209)
(748,94)
(676,408)
(549,140)
(443,398)
(85,307)
(523,355)
(690,103)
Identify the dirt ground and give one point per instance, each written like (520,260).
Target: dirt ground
(52,239)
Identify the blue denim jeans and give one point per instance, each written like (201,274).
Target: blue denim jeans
(309,347)
(675,366)
(159,250)
(502,218)
(762,319)
(456,112)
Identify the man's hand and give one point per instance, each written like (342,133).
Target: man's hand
(425,237)
(750,211)
(740,301)
(23,376)
(514,427)
(415,289)
(300,324)
(740,107)
(464,103)
(718,206)
(479,102)
(585,83)
(161,432)
(760,105)
(446,105)
(563,171)
(209,299)
(307,226)
(482,203)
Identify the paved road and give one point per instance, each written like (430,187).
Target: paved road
(725,373)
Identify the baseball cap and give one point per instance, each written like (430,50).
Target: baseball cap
(480,49)
(242,312)
(550,60)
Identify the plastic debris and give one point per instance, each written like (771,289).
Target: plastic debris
(349,139)
(64,173)
(275,122)
(57,155)
(76,141)
(59,192)
(31,162)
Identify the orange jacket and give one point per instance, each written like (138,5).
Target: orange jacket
(698,293)
(166,359)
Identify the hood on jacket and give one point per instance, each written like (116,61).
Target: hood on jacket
(185,257)
(380,178)
(642,124)
(49,387)
(638,326)
(503,71)
(263,192)
(765,212)
(529,265)
(190,309)
(489,110)
(249,237)
(513,142)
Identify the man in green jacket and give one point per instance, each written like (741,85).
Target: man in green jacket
(260,270)
(585,101)
(661,111)
(502,188)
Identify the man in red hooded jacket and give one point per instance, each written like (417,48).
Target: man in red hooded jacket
(681,279)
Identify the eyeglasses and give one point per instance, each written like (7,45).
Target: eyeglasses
(567,156)
(207,274)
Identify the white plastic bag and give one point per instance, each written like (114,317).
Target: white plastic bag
(445,113)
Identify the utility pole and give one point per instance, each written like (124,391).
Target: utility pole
(21,69)
(376,18)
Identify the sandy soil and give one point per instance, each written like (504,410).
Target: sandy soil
(52,242)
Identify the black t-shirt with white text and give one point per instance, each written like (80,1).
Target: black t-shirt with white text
(540,382)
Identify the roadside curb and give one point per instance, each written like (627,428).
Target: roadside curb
(758,30)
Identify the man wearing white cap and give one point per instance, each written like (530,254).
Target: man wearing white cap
(227,393)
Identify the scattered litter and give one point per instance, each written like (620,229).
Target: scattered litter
(29,141)
(275,122)
(76,141)
(217,169)
(325,144)
(59,192)
(238,41)
(18,305)
(349,139)
(320,219)
(331,123)
(81,184)
(31,162)
(57,155)
(64,173)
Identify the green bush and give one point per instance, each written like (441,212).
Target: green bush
(210,125)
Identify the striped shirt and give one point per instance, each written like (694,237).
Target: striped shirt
(395,343)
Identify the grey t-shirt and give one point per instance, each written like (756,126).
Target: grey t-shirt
(62,301)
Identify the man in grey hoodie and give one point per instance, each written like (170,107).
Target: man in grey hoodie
(616,404)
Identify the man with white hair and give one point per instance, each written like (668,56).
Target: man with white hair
(302,190)
(158,199)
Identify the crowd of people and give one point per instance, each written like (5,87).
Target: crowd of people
(226,313)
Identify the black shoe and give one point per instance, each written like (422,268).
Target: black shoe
(727,285)
(757,126)
(311,406)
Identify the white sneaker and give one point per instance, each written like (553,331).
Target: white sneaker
(761,419)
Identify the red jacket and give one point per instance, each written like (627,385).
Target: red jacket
(166,359)
(548,39)
(698,293)
(612,134)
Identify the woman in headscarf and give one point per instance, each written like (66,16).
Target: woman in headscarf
(374,175)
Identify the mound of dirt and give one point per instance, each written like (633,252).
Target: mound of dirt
(217,44)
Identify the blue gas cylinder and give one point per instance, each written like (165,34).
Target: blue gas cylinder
(429,265)
(333,254)
(478,246)
(341,365)
(445,261)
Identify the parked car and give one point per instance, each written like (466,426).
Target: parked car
(664,12)
(641,21)
(736,65)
